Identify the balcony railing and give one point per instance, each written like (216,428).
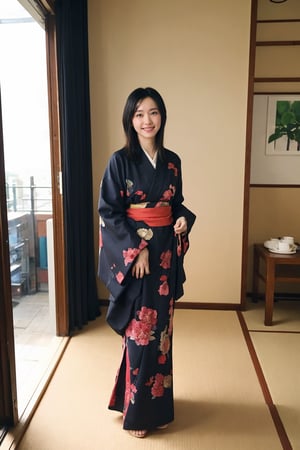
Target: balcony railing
(28,209)
(29,198)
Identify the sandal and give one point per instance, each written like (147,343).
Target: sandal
(138,433)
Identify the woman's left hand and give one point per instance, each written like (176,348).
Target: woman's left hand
(180,225)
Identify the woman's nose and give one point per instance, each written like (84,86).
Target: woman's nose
(147,118)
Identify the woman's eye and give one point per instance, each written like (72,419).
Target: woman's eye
(154,113)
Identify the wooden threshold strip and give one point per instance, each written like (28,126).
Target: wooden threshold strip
(276,185)
(276,43)
(277,20)
(286,445)
(277,80)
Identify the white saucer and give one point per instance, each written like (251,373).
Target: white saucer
(282,252)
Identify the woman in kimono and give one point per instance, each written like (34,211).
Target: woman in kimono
(144,230)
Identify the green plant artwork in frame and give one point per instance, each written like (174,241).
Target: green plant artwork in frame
(283,134)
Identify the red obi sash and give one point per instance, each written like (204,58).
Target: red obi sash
(154,217)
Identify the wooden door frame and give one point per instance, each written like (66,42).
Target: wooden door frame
(248,153)
(62,312)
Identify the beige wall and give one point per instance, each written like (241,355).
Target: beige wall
(196,53)
(274,211)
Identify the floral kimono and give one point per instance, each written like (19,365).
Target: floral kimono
(138,207)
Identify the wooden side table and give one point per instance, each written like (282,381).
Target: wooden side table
(272,273)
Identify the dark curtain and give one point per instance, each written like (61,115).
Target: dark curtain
(74,104)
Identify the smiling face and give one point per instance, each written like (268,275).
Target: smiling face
(146,121)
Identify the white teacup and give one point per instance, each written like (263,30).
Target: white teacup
(274,243)
(288,239)
(284,246)
(271,243)
(267,244)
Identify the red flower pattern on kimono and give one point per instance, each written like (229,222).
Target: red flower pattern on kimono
(182,244)
(162,359)
(159,383)
(120,277)
(141,331)
(169,193)
(143,244)
(129,255)
(141,194)
(164,287)
(173,167)
(166,259)
(150,382)
(148,315)
(179,245)
(157,389)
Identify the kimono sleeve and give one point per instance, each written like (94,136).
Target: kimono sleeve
(119,242)
(179,209)
(181,243)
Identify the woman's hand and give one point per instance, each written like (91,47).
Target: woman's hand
(180,225)
(141,265)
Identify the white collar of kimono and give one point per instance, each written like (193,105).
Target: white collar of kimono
(152,160)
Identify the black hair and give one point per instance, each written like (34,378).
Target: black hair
(132,103)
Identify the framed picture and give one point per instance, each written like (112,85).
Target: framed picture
(275,153)
(283,125)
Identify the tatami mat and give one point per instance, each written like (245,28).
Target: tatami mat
(219,403)
(286,316)
(278,350)
(279,356)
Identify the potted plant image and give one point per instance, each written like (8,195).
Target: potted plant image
(287,124)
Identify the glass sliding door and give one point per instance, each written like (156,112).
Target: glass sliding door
(28,185)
